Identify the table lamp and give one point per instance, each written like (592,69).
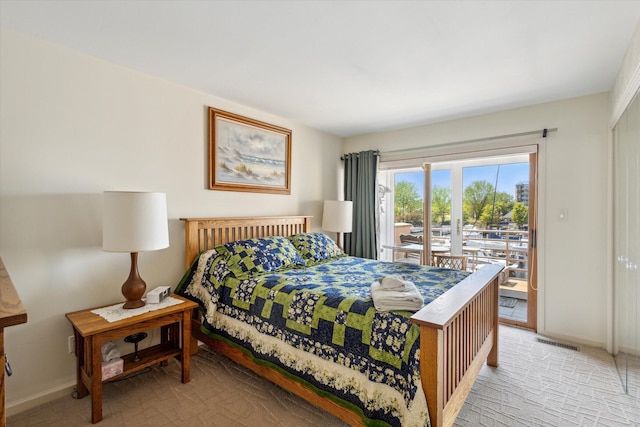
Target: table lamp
(134,222)
(337,217)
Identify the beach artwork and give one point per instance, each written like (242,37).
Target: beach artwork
(249,156)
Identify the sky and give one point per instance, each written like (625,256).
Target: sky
(508,176)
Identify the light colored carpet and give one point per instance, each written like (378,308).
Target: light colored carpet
(536,384)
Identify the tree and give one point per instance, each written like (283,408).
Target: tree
(476,197)
(492,213)
(520,214)
(407,202)
(440,204)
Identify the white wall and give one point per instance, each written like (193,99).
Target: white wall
(573,263)
(72,126)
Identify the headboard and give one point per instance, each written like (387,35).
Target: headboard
(202,234)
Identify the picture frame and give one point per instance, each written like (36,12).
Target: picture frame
(248,155)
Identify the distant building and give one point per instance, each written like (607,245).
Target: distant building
(522,193)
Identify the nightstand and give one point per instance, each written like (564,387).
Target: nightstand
(12,313)
(91,331)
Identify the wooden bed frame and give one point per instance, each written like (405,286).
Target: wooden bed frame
(458,331)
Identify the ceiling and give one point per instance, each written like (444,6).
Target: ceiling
(352,67)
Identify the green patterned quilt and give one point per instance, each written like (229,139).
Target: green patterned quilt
(317,324)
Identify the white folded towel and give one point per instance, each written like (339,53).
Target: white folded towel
(395,283)
(408,298)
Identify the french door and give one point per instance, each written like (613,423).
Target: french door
(432,197)
(491,219)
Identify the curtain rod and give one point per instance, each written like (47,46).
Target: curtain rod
(544,133)
(375,153)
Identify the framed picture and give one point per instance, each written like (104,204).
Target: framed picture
(248,155)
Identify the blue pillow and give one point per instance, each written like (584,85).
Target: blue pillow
(315,247)
(252,256)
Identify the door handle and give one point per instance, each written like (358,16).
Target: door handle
(7,366)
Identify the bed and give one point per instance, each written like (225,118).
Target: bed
(432,364)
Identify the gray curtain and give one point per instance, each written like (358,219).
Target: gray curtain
(360,171)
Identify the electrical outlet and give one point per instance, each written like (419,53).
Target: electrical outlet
(71,342)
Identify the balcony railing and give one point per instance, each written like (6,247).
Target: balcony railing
(507,247)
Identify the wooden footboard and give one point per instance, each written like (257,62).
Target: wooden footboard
(458,331)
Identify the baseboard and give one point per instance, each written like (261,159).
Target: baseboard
(38,399)
(628,350)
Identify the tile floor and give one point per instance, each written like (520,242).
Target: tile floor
(518,313)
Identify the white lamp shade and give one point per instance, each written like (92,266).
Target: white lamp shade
(337,216)
(134,222)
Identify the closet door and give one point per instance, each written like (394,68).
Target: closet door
(627,247)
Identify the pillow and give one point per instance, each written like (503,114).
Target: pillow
(315,247)
(246,257)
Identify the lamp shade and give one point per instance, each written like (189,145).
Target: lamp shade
(337,216)
(134,221)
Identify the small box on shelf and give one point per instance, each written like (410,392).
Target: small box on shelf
(112,368)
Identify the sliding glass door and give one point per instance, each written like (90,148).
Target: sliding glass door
(626,246)
(483,208)
(496,214)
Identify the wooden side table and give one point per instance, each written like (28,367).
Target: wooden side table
(91,331)
(12,313)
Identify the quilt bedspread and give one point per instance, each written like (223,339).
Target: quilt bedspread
(338,343)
